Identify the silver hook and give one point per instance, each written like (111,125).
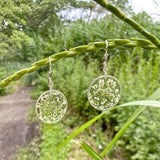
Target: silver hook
(50,75)
(105,59)
(106,44)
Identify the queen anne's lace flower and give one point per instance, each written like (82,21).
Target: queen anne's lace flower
(104,92)
(51,106)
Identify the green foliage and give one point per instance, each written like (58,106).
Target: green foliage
(43,147)
(88,149)
(31,152)
(52,135)
(139,77)
(132,71)
(31,30)
(21,20)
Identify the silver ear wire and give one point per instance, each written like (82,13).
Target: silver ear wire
(50,75)
(104,92)
(52,104)
(105,59)
(106,44)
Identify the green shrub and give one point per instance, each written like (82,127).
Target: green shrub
(31,152)
(52,135)
(139,77)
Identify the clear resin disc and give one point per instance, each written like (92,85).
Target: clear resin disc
(104,92)
(51,106)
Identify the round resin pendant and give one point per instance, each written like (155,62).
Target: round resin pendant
(51,106)
(104,92)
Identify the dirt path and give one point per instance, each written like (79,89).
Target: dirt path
(14,130)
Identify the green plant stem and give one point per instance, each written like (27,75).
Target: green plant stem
(130,21)
(91,47)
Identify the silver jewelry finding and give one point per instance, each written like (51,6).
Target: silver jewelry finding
(105,91)
(52,104)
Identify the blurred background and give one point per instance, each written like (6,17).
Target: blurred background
(31,30)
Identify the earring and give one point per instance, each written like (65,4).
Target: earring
(52,104)
(105,91)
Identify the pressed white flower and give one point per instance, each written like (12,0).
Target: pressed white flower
(96,103)
(114,84)
(96,98)
(46,96)
(116,100)
(101,82)
(91,101)
(95,86)
(116,90)
(101,107)
(57,99)
(64,102)
(103,101)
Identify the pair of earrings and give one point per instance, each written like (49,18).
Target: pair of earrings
(103,93)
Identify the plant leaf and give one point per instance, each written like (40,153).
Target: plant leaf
(155,95)
(122,130)
(152,103)
(91,151)
(82,128)
(142,103)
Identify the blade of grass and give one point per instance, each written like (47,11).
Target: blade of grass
(91,151)
(82,128)
(152,103)
(86,125)
(122,130)
(155,95)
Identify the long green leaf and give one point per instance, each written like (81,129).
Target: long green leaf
(86,125)
(152,103)
(127,124)
(91,151)
(82,128)
(155,95)
(129,121)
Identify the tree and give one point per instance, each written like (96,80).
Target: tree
(21,20)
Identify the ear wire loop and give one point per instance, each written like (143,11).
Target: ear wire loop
(105,59)
(50,75)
